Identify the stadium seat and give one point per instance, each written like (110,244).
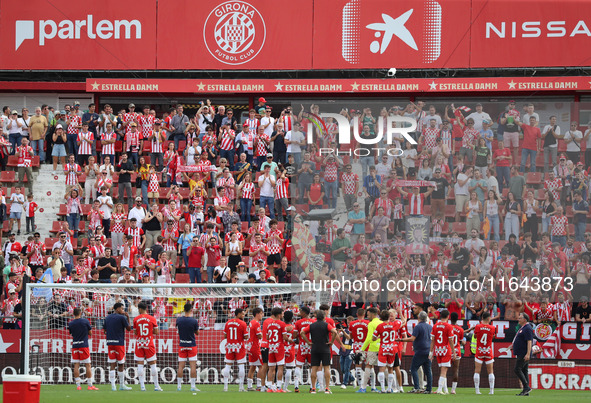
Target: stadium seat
(8,177)
(534,178)
(182,278)
(49,243)
(459,227)
(12,161)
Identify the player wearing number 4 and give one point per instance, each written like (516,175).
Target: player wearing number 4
(80,330)
(235,334)
(442,348)
(188,328)
(145,327)
(484,333)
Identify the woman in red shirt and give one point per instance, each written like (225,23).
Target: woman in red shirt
(316,193)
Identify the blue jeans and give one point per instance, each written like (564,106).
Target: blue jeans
(134,158)
(494,225)
(260,161)
(580,231)
(38,149)
(561,239)
(195,275)
(545,224)
(366,162)
(178,137)
(15,141)
(185,257)
(229,155)
(210,270)
(532,159)
(346,361)
(503,173)
(145,194)
(74,221)
(245,207)
(268,201)
(72,145)
(418,361)
(331,189)
(156,159)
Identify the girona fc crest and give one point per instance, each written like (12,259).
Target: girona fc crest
(234,32)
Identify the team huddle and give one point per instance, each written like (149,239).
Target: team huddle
(280,347)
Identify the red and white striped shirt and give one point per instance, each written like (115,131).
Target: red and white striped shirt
(331,172)
(156,143)
(228,183)
(71,176)
(99,305)
(97,251)
(95,218)
(430,136)
(252,124)
(108,149)
(446,138)
(415,204)
(417,272)
(398,211)
(117,222)
(136,233)
(104,181)
(559,225)
(349,180)
(287,123)
(146,123)
(24,155)
(386,204)
(75,121)
(132,141)
(85,147)
(437,225)
(562,311)
(169,244)
(273,244)
(282,188)
(227,140)
(247,190)
(169,215)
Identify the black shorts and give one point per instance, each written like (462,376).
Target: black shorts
(397,360)
(317,359)
(274,258)
(265,355)
(357,357)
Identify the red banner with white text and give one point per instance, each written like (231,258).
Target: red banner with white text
(75,35)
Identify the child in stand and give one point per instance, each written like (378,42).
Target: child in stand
(30,208)
(437,224)
(153,185)
(398,214)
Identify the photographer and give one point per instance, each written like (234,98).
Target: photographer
(345,352)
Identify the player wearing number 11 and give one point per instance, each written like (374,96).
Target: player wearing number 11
(236,334)
(145,327)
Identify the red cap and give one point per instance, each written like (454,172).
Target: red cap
(261,99)
(244,125)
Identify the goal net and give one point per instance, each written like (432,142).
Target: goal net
(50,308)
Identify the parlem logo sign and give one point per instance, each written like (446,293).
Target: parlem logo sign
(76,29)
(234,32)
(392,27)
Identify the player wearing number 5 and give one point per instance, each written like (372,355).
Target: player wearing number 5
(484,333)
(145,327)
(442,347)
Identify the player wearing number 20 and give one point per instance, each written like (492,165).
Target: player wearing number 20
(387,333)
(145,327)
(484,332)
(236,334)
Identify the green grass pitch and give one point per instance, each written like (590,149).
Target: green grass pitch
(214,394)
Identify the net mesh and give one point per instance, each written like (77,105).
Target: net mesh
(51,309)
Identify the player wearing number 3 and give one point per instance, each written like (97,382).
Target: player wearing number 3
(145,327)
(442,348)
(484,332)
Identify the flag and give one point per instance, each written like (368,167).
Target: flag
(44,292)
(464,109)
(486,227)
(551,348)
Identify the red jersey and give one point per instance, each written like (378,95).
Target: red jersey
(442,332)
(298,327)
(273,331)
(144,326)
(484,339)
(458,336)
(236,333)
(387,332)
(254,330)
(358,330)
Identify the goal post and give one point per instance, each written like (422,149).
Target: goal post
(49,307)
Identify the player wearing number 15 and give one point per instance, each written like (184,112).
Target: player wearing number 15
(80,329)
(387,333)
(188,328)
(442,348)
(145,327)
(236,334)
(114,328)
(484,332)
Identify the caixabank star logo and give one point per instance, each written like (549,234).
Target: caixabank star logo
(234,32)
(406,31)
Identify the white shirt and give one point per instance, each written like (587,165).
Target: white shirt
(202,124)
(557,131)
(428,118)
(297,137)
(104,208)
(15,129)
(109,170)
(137,213)
(266,185)
(16,207)
(268,129)
(526,117)
(223,271)
(479,118)
(572,146)
(383,169)
(407,162)
(191,152)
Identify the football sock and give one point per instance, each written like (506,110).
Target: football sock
(491,381)
(154,371)
(477,382)
(381,379)
(141,374)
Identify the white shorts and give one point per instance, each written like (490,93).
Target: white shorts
(445,364)
(371,357)
(485,362)
(275,364)
(240,361)
(141,359)
(188,359)
(85,361)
